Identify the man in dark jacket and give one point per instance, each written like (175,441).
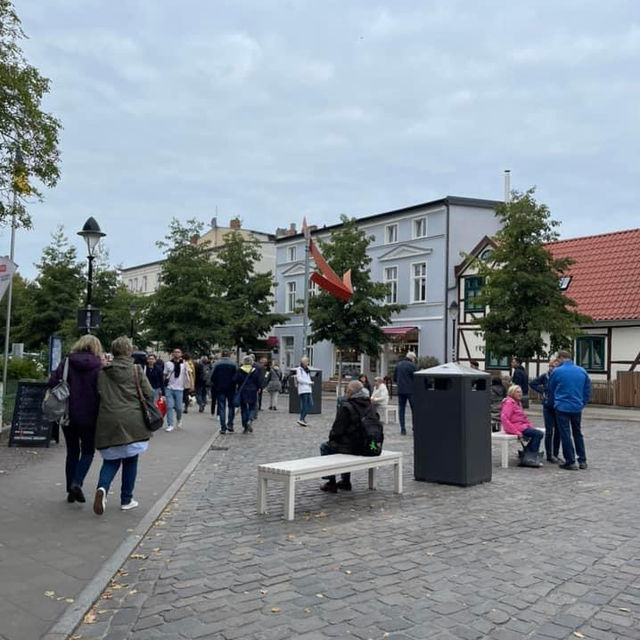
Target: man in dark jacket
(345,430)
(155,375)
(521,378)
(570,386)
(223,387)
(202,382)
(403,377)
(551,431)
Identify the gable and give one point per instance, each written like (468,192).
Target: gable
(404,251)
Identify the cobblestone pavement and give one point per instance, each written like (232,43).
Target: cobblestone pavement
(533,554)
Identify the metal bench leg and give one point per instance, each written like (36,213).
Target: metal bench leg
(262,494)
(289,499)
(372,478)
(505,454)
(397,477)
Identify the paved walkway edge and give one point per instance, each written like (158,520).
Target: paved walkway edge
(73,615)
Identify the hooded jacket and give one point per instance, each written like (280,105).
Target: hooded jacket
(345,428)
(82,377)
(249,389)
(120,418)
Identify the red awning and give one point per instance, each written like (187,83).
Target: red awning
(398,332)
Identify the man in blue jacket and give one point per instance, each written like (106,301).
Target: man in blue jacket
(570,387)
(223,387)
(403,377)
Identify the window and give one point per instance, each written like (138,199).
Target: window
(486,254)
(291,254)
(472,289)
(287,351)
(391,280)
(564,283)
(144,283)
(590,352)
(391,233)
(419,282)
(313,288)
(291,297)
(420,227)
(493,362)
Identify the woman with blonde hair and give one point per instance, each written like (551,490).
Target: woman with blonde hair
(515,421)
(121,432)
(83,366)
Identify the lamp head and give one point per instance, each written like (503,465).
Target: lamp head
(91,233)
(453,310)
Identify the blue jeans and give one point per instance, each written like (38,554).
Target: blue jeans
(326,450)
(306,404)
(225,401)
(551,432)
(129,472)
(80,450)
(156,394)
(174,401)
(535,437)
(248,411)
(569,424)
(402,404)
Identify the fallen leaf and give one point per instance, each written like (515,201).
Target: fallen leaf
(276,609)
(431,553)
(107,595)
(155,549)
(623,609)
(319,595)
(264,591)
(577,634)
(139,556)
(69,600)
(307,610)
(133,592)
(348,572)
(90,618)
(123,573)
(291,536)
(49,594)
(321,514)
(118,585)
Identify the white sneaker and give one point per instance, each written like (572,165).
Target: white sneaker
(100,501)
(126,507)
(169,427)
(179,425)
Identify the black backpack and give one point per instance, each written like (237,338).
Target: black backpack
(369,436)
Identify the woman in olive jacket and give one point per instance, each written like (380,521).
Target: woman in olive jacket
(121,433)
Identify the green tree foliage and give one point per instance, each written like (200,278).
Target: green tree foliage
(521,285)
(24,126)
(246,297)
(56,295)
(20,310)
(358,323)
(184,311)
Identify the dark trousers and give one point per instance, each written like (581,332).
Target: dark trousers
(551,432)
(326,450)
(535,437)
(80,449)
(402,404)
(570,425)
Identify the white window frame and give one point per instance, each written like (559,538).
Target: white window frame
(285,351)
(392,295)
(313,288)
(291,254)
(387,229)
(413,279)
(291,299)
(414,227)
(144,284)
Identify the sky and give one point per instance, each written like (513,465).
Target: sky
(271,111)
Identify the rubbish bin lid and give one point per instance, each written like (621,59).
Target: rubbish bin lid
(452,369)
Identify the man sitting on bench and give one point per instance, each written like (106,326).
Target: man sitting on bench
(345,430)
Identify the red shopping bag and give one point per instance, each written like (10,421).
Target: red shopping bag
(161,403)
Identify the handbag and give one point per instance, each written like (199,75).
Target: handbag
(150,413)
(238,393)
(55,405)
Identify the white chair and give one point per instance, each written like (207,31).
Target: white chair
(390,410)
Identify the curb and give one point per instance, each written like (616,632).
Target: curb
(74,614)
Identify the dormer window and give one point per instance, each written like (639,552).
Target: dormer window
(563,283)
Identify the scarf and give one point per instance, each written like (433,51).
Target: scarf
(305,369)
(176,368)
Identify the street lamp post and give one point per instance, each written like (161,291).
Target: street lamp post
(132,313)
(453,314)
(92,234)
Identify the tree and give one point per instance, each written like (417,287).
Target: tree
(246,297)
(57,293)
(521,285)
(21,310)
(24,127)
(184,311)
(356,324)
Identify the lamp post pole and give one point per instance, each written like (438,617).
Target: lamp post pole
(453,314)
(132,313)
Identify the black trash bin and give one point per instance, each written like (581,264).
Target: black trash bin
(452,425)
(316,391)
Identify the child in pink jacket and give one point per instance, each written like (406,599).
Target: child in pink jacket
(515,421)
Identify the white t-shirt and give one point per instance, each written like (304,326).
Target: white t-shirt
(304,381)
(174,383)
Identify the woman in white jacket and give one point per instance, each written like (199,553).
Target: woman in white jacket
(380,395)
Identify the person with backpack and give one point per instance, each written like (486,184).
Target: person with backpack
(357,430)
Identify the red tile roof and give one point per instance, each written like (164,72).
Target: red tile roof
(605,280)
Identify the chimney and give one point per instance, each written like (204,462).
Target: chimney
(313,227)
(236,223)
(214,223)
(507,186)
(291,231)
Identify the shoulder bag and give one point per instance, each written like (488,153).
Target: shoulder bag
(150,413)
(55,405)
(238,393)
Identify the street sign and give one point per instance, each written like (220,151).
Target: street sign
(88,318)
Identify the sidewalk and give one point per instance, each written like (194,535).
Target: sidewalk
(51,550)
(536,553)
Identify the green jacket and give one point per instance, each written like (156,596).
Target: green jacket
(120,418)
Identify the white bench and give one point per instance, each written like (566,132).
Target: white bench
(504,439)
(290,471)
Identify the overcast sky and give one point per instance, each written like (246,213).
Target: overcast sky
(275,110)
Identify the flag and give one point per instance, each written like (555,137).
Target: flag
(7,269)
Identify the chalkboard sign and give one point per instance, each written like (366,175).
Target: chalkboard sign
(28,429)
